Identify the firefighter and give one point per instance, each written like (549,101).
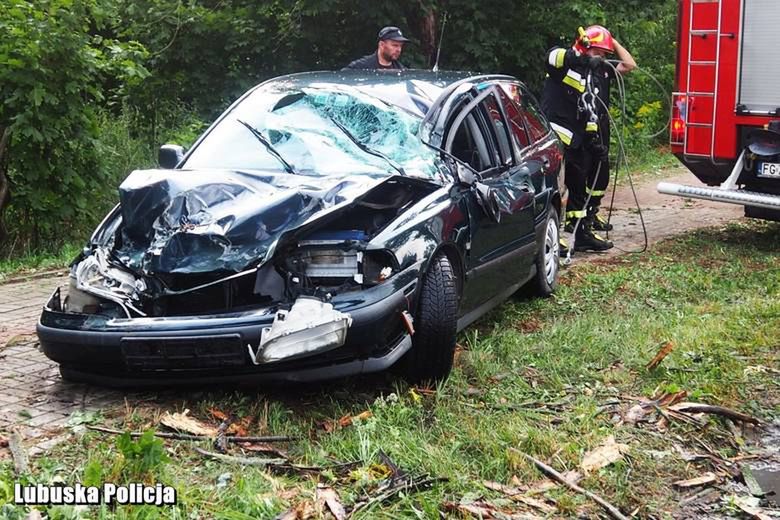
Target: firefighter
(569,101)
(598,41)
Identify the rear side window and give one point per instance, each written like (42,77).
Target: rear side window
(500,132)
(535,121)
(516,123)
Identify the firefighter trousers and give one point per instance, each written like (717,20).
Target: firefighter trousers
(579,165)
(597,184)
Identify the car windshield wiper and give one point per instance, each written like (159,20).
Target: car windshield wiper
(365,148)
(268,146)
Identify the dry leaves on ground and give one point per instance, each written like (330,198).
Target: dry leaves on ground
(609,452)
(343,422)
(328,498)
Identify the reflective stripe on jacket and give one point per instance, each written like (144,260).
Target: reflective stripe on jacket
(567,73)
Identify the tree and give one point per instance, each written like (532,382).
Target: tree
(50,82)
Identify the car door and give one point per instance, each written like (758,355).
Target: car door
(538,148)
(502,243)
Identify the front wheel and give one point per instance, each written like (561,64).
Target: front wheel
(433,344)
(548,256)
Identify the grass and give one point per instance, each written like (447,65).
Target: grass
(714,294)
(32,262)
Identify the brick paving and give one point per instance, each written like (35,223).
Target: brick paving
(35,401)
(33,398)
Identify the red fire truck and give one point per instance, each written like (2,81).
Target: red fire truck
(725,123)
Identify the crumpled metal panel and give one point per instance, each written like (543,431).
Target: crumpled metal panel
(228,207)
(180,221)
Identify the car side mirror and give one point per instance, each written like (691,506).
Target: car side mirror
(465,174)
(488,201)
(170,155)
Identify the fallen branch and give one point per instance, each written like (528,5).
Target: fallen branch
(550,472)
(277,465)
(190,437)
(18,453)
(718,410)
(394,490)
(246,461)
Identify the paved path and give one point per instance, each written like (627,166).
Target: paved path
(35,400)
(664,215)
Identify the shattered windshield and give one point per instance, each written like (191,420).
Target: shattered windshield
(317,130)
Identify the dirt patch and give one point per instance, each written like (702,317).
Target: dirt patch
(663,215)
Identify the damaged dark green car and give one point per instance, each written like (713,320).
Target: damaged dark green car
(326,225)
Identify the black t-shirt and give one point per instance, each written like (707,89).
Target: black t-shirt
(371,61)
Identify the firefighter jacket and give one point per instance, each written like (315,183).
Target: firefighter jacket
(567,73)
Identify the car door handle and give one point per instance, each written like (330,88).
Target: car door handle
(546,163)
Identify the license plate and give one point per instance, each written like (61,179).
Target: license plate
(771,170)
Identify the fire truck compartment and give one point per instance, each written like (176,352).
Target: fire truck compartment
(759,60)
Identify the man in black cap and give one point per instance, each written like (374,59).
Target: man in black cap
(391,43)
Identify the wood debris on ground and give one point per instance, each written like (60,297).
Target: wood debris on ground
(191,437)
(182,422)
(664,351)
(713,409)
(638,412)
(707,478)
(389,490)
(611,510)
(485,510)
(501,488)
(750,506)
(262,447)
(521,495)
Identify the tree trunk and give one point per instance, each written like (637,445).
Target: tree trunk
(423,23)
(5,185)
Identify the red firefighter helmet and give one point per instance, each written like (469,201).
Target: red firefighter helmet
(594,37)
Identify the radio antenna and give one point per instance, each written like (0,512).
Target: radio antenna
(441,38)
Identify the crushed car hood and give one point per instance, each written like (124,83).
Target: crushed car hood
(203,221)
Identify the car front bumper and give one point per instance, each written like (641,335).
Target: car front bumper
(185,349)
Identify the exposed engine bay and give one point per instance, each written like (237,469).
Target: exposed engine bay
(175,247)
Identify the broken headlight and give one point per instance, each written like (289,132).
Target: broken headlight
(309,327)
(96,276)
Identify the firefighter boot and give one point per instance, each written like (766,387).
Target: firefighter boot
(587,240)
(563,248)
(599,222)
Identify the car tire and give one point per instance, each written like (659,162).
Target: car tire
(433,343)
(548,257)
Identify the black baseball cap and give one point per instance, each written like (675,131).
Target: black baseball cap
(392,33)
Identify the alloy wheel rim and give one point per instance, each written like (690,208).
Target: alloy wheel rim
(551,252)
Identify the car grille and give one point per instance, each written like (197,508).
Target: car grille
(183,353)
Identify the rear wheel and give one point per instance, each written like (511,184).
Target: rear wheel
(548,256)
(433,344)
